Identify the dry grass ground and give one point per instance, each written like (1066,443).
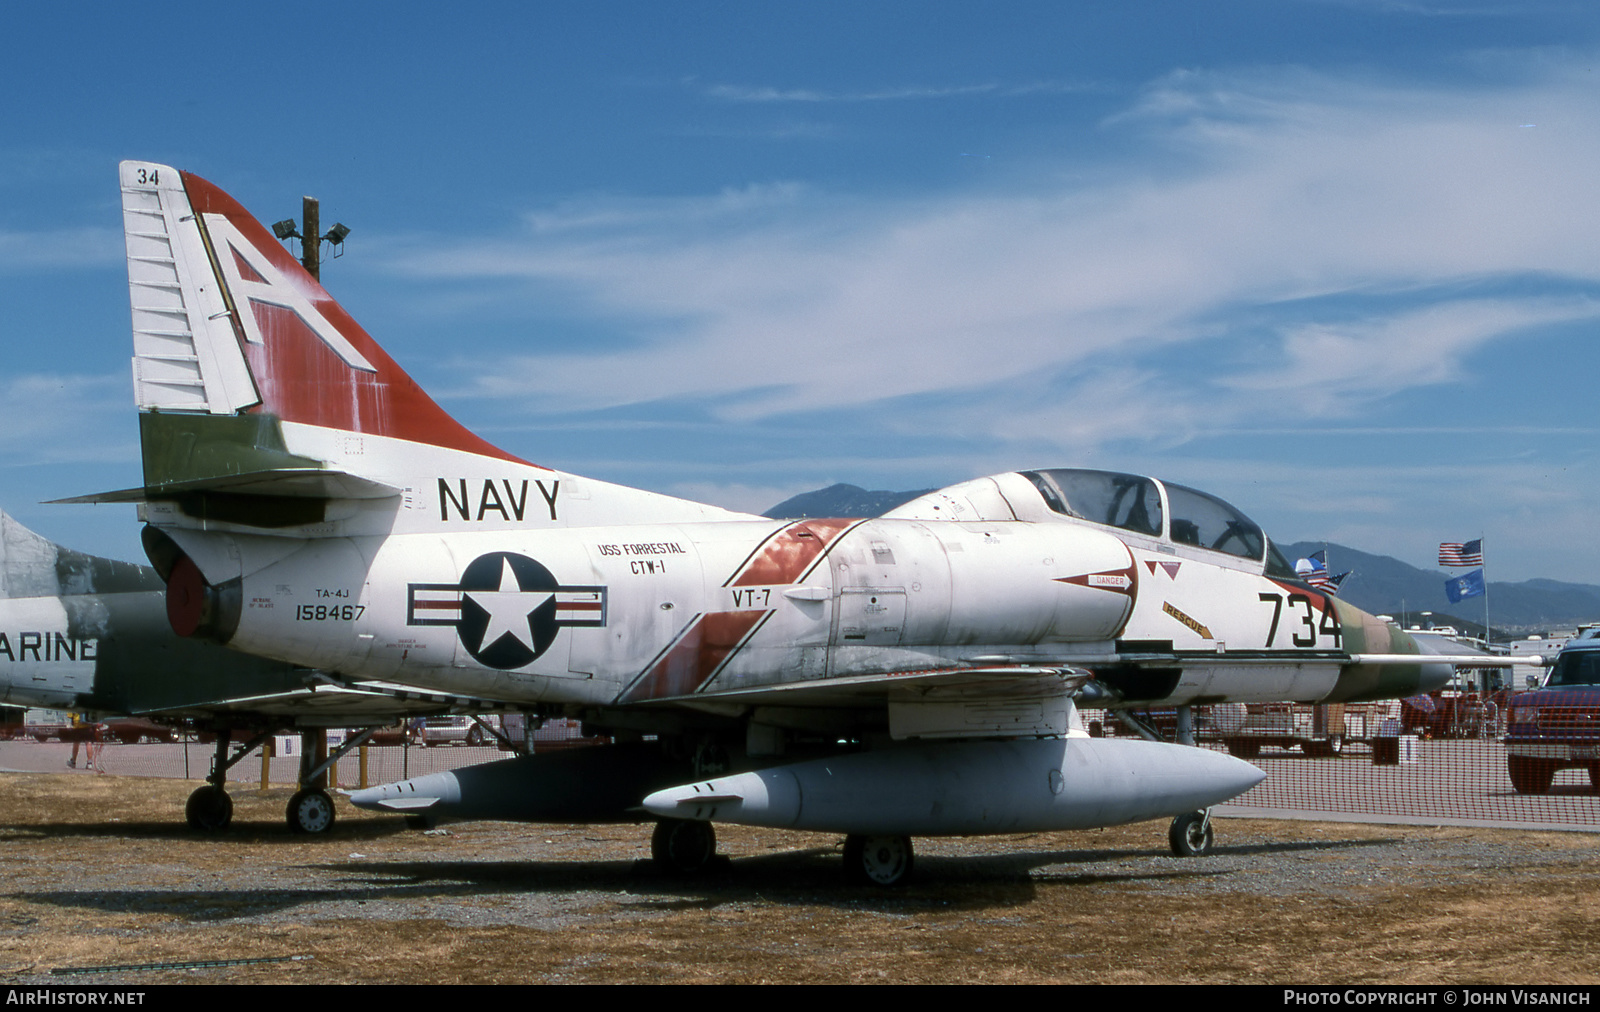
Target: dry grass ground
(101,870)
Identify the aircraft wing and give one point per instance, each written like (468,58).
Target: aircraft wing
(999,681)
(1130,675)
(332,703)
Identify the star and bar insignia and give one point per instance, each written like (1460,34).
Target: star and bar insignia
(507,609)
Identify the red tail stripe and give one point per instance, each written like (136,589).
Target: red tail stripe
(301,380)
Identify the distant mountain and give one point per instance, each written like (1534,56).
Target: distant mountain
(841,501)
(1378,584)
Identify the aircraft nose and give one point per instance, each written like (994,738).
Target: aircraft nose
(1390,674)
(1431,676)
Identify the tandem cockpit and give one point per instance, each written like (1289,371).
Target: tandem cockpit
(1170,516)
(1152,514)
(1155,515)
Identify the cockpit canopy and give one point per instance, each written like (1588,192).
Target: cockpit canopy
(1158,510)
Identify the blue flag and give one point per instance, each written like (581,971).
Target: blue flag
(1462,587)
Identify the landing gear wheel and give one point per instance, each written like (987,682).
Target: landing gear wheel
(683,846)
(1529,776)
(878,860)
(310,811)
(209,809)
(1190,835)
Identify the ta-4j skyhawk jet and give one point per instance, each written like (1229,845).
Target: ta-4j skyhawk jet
(916,673)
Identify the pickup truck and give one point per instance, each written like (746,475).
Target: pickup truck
(1557,726)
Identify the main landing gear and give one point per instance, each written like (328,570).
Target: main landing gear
(683,846)
(884,861)
(209,809)
(311,811)
(689,847)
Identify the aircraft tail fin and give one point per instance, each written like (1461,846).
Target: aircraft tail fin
(233,339)
(35,566)
(260,396)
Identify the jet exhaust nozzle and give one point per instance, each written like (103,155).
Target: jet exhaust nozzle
(196,608)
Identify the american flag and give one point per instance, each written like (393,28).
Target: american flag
(1325,583)
(1453,553)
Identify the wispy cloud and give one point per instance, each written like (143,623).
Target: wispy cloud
(1335,369)
(65,418)
(1276,246)
(50,250)
(906,93)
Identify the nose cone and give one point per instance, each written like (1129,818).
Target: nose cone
(1431,676)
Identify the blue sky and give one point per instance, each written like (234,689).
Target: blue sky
(1338,262)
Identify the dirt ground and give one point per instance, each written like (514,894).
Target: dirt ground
(101,871)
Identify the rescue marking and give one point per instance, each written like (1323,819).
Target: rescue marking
(1193,625)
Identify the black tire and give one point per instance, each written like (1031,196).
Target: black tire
(1530,776)
(209,809)
(310,812)
(475,736)
(683,846)
(1190,835)
(1243,748)
(884,861)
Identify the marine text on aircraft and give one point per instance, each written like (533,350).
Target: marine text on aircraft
(45,646)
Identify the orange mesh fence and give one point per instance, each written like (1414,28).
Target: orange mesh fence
(191,760)
(1455,764)
(1367,761)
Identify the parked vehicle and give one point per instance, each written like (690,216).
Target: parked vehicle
(42,725)
(1320,731)
(455,729)
(133,730)
(1557,726)
(548,736)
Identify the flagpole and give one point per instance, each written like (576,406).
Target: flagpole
(1486,640)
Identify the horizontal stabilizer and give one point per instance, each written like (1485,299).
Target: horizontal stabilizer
(296,483)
